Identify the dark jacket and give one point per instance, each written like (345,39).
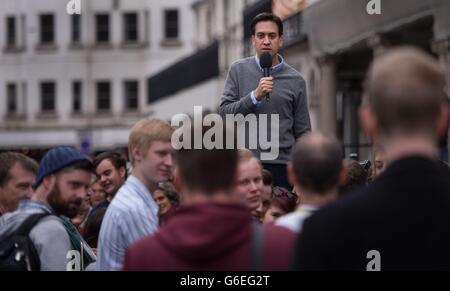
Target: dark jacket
(209,236)
(404,215)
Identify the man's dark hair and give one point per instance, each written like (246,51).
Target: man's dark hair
(317,163)
(267,177)
(266,16)
(9,159)
(208,170)
(356,177)
(116,159)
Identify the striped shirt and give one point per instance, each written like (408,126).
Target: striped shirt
(131,215)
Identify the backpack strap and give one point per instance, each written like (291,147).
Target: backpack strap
(257,246)
(29,223)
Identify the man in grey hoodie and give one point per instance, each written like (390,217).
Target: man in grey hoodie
(61,183)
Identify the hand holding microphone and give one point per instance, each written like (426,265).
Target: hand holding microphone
(264,88)
(266,63)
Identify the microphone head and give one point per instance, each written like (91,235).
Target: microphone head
(265,60)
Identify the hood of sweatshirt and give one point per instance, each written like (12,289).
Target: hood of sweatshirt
(204,232)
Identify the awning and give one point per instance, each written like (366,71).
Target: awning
(337,25)
(196,68)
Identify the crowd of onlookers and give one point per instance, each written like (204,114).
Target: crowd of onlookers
(218,209)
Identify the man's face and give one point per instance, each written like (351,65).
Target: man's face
(250,183)
(157,163)
(111,179)
(19,187)
(267,38)
(69,191)
(162,201)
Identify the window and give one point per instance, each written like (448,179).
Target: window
(48,97)
(102,24)
(130,21)
(76,28)
(103,96)
(11,93)
(76,95)
(47,33)
(171,24)
(131,95)
(11,32)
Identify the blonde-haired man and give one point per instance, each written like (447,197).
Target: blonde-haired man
(133,212)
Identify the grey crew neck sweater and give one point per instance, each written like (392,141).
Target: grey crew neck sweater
(288,100)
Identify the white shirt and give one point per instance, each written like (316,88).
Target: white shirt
(294,221)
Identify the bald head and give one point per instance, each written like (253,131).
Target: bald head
(405,88)
(317,162)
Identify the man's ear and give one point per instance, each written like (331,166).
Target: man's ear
(49,183)
(291,175)
(137,153)
(442,125)
(368,121)
(343,174)
(122,172)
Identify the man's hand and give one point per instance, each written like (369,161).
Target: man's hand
(265,86)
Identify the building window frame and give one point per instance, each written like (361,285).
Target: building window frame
(102,28)
(103,90)
(48,97)
(171,27)
(130,27)
(12,102)
(77,97)
(131,94)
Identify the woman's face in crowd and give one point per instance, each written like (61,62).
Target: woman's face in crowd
(162,201)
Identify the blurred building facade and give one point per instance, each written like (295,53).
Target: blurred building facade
(81,79)
(344,36)
(198,79)
(163,57)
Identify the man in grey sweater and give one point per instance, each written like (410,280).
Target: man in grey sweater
(246,89)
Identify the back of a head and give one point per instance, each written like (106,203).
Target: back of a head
(208,170)
(317,163)
(356,177)
(405,88)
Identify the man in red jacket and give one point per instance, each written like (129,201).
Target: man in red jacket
(213,229)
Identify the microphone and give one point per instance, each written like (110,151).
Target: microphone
(266,63)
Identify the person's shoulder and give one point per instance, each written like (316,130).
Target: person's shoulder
(242,62)
(279,245)
(144,243)
(352,209)
(49,228)
(138,253)
(278,234)
(293,73)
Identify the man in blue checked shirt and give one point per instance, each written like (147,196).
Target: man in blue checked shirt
(133,212)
